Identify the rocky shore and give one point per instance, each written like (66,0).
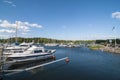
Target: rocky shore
(111,49)
(106,48)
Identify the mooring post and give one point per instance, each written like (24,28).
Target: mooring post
(1,62)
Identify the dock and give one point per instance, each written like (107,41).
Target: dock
(37,66)
(1,62)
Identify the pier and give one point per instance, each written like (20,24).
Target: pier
(37,66)
(1,63)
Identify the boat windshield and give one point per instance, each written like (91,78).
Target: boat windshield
(19,51)
(24,45)
(13,51)
(38,51)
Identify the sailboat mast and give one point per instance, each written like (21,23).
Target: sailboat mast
(16,32)
(115,39)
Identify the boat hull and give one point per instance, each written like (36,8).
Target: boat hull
(12,62)
(26,57)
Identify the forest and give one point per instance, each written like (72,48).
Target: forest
(43,40)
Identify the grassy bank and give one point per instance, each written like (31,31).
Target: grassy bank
(95,47)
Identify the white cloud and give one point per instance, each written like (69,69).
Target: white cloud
(27,24)
(9,2)
(35,25)
(6,24)
(21,26)
(7,31)
(116,15)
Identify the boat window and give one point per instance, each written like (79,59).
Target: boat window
(37,51)
(6,50)
(17,51)
(46,50)
(24,45)
(20,51)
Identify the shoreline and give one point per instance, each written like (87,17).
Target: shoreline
(106,49)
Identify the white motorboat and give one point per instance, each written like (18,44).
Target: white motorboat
(51,44)
(62,45)
(34,52)
(19,56)
(17,48)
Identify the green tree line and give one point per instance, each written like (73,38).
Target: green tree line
(108,41)
(44,40)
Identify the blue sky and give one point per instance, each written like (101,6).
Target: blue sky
(61,19)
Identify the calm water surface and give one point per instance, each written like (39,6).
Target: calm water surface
(85,64)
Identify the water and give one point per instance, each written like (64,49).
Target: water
(85,64)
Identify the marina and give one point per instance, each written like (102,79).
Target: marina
(84,62)
(60,40)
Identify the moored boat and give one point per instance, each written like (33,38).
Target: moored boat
(34,51)
(32,54)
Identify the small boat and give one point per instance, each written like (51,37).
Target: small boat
(51,44)
(62,45)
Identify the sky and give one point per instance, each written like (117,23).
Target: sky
(60,19)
